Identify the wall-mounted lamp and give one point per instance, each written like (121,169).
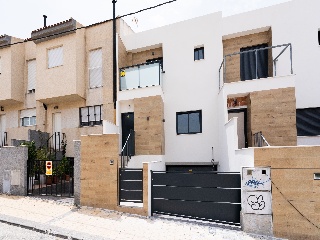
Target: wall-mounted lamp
(2,108)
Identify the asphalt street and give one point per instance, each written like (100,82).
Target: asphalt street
(11,232)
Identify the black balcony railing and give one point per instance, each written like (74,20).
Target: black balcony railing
(140,76)
(128,149)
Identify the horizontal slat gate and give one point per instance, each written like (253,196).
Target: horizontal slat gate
(204,195)
(131,185)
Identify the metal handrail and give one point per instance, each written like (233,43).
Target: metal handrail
(56,138)
(260,140)
(125,151)
(4,140)
(256,51)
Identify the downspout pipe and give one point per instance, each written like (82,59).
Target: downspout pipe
(114,55)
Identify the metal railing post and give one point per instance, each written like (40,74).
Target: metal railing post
(224,69)
(291,58)
(256,53)
(139,77)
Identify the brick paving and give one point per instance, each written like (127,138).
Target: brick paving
(59,217)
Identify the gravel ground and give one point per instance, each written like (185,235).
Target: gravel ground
(59,216)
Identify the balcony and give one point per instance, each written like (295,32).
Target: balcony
(256,62)
(141,76)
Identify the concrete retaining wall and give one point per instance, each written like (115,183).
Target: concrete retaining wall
(13,170)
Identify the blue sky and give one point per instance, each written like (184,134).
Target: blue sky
(19,17)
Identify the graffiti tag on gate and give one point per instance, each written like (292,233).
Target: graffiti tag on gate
(256,203)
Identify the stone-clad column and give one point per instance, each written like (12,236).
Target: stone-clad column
(256,214)
(77,171)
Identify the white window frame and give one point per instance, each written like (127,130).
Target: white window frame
(95,68)
(90,116)
(28,117)
(32,75)
(55,57)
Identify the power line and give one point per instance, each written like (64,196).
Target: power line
(91,25)
(161,4)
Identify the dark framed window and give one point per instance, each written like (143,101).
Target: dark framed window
(308,122)
(189,122)
(90,116)
(198,53)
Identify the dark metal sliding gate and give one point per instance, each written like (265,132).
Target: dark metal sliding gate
(60,183)
(212,196)
(130,185)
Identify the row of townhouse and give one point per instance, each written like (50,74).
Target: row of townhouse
(193,92)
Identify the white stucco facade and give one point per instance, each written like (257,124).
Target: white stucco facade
(194,85)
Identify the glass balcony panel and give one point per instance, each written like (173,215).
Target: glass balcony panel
(131,78)
(149,75)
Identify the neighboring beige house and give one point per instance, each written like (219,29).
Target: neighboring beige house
(59,81)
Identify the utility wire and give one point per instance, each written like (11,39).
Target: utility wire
(161,4)
(73,30)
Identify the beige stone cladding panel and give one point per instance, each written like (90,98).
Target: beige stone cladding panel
(99,179)
(235,44)
(64,80)
(294,189)
(274,113)
(149,126)
(143,56)
(99,184)
(100,36)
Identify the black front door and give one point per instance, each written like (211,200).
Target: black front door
(127,121)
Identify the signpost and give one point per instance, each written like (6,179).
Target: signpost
(48,168)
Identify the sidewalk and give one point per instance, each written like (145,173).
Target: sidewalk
(62,218)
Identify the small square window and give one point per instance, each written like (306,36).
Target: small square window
(28,117)
(189,122)
(198,53)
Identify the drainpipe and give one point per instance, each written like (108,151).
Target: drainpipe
(114,55)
